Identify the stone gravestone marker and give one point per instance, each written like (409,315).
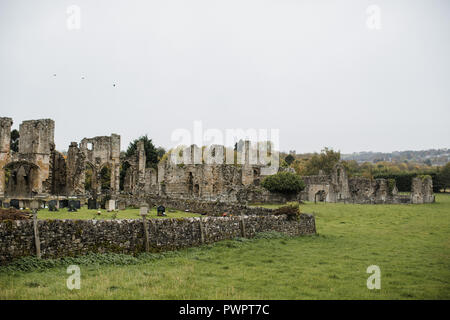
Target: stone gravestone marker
(110,205)
(14,203)
(143,211)
(63,204)
(161,210)
(92,204)
(72,206)
(52,205)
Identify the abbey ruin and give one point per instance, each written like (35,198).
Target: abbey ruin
(91,172)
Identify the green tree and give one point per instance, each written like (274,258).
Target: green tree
(14,144)
(444,176)
(324,161)
(161,152)
(289,159)
(283,182)
(151,153)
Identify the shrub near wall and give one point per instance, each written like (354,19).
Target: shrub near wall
(60,238)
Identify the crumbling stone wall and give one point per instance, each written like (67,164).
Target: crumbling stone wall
(203,181)
(337,187)
(422,190)
(103,151)
(75,170)
(5,139)
(30,168)
(77,237)
(212,179)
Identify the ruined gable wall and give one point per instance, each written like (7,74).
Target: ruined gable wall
(104,151)
(36,144)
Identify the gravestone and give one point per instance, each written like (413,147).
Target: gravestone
(14,203)
(110,205)
(92,204)
(143,211)
(63,204)
(73,205)
(122,205)
(6,205)
(161,210)
(52,205)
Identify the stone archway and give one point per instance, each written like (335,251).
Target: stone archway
(320,196)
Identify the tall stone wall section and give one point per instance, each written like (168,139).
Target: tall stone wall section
(103,151)
(60,238)
(422,190)
(5,139)
(31,167)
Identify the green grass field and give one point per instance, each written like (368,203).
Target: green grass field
(85,213)
(410,244)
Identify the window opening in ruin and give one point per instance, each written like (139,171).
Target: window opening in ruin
(190,183)
(123,174)
(197,190)
(105,178)
(89,180)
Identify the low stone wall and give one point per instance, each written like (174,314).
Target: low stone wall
(60,238)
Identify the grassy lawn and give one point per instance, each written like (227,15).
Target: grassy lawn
(410,244)
(85,213)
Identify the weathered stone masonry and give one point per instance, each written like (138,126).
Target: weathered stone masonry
(60,238)
(94,167)
(338,187)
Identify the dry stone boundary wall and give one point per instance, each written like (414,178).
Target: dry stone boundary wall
(60,238)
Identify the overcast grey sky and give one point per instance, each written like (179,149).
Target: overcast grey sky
(313,69)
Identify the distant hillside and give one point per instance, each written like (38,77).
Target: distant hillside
(434,157)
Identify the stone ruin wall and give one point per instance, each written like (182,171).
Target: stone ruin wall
(54,175)
(422,190)
(337,187)
(51,174)
(5,139)
(212,179)
(32,168)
